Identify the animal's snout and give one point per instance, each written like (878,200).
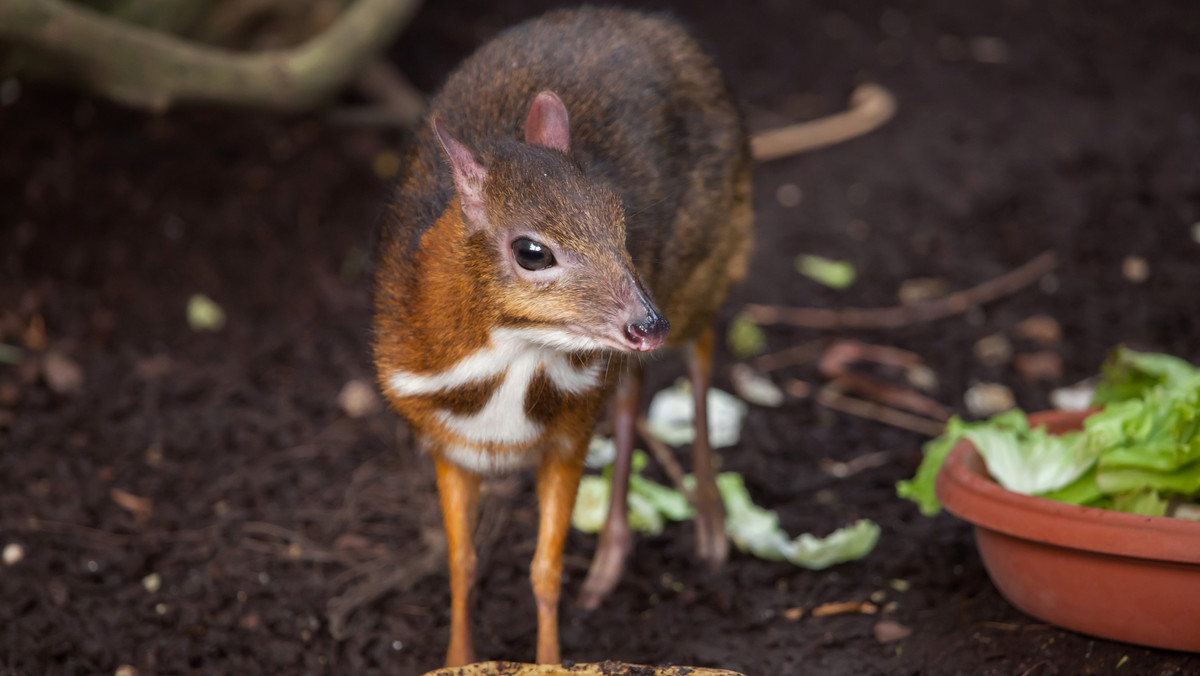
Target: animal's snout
(648,332)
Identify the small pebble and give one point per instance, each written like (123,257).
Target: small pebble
(152,582)
(13,553)
(358,399)
(1135,269)
(920,289)
(984,400)
(887,631)
(793,614)
(922,377)
(1044,365)
(993,350)
(125,670)
(203,314)
(154,455)
(899,584)
(161,608)
(62,374)
(754,387)
(1042,329)
(789,195)
(1196,232)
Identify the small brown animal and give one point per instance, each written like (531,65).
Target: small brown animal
(582,185)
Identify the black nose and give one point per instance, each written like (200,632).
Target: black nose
(649,332)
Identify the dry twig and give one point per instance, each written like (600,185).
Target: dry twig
(903,315)
(870,410)
(870,106)
(662,454)
(891,395)
(792,356)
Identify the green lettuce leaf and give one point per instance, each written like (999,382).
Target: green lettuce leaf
(1031,461)
(1128,374)
(1145,501)
(756,530)
(920,488)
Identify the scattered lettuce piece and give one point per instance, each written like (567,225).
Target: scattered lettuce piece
(10,354)
(831,273)
(651,504)
(751,528)
(672,412)
(756,530)
(591,503)
(745,338)
(203,314)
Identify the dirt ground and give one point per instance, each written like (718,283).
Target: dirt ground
(193,501)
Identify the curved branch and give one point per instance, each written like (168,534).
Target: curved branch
(870,106)
(148,69)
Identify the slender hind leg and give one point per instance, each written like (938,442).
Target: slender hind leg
(557,482)
(459,490)
(711,545)
(616,540)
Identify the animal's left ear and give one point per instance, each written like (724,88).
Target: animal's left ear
(469,175)
(548,124)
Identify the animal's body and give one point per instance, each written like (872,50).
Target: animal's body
(582,183)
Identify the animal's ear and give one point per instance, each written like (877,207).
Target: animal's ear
(469,175)
(548,124)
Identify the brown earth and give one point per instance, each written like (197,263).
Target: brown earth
(1022,127)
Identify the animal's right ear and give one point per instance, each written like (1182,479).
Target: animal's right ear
(469,175)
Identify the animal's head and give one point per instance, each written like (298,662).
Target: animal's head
(550,242)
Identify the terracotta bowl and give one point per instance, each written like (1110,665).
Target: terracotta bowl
(1109,574)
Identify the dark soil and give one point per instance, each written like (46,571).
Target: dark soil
(270,508)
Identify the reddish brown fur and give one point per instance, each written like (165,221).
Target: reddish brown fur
(654,192)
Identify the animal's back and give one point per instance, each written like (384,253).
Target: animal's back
(650,116)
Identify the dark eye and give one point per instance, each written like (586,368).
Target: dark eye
(532,255)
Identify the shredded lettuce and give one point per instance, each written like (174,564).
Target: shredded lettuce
(751,528)
(756,530)
(1137,454)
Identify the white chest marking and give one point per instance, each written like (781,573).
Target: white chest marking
(519,354)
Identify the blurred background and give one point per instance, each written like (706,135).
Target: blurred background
(195,469)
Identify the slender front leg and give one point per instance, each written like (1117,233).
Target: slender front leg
(616,540)
(459,490)
(557,481)
(711,544)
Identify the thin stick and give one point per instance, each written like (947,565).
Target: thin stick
(662,454)
(792,356)
(903,315)
(872,411)
(891,395)
(870,106)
